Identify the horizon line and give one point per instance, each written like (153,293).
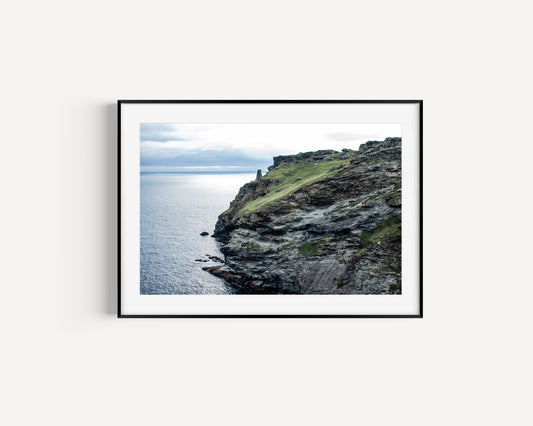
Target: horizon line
(207,172)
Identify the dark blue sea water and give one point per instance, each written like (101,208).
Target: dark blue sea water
(175,209)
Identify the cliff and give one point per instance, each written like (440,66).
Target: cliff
(322,222)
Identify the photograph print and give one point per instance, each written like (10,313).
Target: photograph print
(270,208)
(269,213)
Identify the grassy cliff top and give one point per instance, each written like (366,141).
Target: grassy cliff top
(291,178)
(290,173)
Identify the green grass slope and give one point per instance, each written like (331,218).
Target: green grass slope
(292,178)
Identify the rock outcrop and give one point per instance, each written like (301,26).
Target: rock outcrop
(322,222)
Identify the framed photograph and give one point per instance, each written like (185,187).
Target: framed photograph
(270,208)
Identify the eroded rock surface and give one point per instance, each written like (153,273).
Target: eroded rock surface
(322,222)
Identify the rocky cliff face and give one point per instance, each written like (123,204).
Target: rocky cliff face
(323,222)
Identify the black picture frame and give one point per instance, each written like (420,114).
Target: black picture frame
(120,103)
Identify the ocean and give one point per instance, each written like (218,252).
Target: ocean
(175,209)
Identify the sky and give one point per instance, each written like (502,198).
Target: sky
(240,147)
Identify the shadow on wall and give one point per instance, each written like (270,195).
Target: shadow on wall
(110,251)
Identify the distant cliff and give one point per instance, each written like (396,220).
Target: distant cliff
(322,222)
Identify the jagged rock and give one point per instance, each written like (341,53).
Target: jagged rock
(307,157)
(395,200)
(221,272)
(337,234)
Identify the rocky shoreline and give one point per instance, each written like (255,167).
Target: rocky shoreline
(322,222)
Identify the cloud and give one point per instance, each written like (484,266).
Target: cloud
(249,146)
(347,137)
(203,158)
(159,132)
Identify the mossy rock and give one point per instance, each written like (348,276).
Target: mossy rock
(309,249)
(386,230)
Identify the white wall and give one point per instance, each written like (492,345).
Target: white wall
(67,360)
